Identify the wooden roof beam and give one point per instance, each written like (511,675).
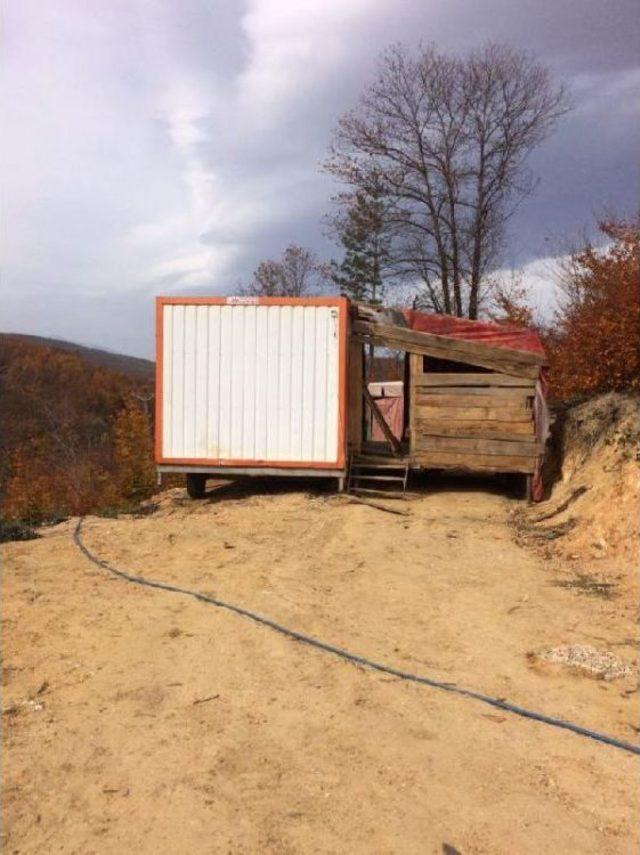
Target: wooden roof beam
(519,363)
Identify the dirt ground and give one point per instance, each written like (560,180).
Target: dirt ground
(142,721)
(595,503)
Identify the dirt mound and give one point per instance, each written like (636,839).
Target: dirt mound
(594,508)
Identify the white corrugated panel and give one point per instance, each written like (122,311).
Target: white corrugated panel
(250,382)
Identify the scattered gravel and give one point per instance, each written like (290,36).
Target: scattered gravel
(599,663)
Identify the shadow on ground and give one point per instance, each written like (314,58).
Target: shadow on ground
(423,483)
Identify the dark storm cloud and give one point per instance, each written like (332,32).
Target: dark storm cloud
(155,147)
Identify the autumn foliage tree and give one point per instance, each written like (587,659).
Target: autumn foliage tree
(73,438)
(510,305)
(133,451)
(595,344)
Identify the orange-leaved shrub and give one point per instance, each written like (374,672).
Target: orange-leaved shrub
(133,451)
(510,306)
(594,346)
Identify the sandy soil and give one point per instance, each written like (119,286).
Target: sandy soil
(136,720)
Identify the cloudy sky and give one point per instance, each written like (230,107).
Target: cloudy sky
(162,147)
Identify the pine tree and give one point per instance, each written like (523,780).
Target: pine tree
(363,233)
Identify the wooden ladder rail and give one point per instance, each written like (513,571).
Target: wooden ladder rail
(406,475)
(349,471)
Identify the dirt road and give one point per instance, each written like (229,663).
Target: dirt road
(141,721)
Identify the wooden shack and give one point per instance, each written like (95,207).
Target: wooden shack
(469,404)
(277,386)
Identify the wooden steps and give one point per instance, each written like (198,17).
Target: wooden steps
(375,474)
(365,477)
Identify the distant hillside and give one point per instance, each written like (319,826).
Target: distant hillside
(76,428)
(131,366)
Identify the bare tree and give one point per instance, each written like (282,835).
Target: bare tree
(448,139)
(296,273)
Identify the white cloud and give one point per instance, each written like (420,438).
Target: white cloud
(539,278)
(617,92)
(293,46)
(290,52)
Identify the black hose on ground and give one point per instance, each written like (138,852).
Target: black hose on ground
(497,703)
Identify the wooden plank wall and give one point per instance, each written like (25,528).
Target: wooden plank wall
(475,421)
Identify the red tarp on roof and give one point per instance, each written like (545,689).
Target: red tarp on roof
(496,335)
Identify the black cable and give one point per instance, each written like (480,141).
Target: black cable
(498,703)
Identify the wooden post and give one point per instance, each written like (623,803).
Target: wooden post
(406,388)
(355,417)
(415,367)
(528,489)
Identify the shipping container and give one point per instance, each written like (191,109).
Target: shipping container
(249,385)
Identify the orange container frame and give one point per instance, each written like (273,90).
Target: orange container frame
(182,464)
